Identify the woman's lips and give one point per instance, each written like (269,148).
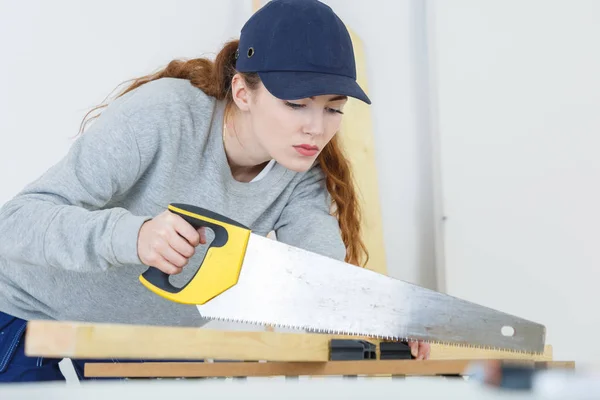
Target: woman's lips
(307,150)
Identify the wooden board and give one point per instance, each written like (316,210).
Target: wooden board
(256,5)
(357,139)
(81,340)
(86,340)
(332,368)
(448,352)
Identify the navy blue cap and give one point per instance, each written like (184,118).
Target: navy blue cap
(299,48)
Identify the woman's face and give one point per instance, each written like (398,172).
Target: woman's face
(294,132)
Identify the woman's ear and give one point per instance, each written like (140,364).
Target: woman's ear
(240,92)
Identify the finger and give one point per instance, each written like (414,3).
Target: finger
(181,245)
(414,348)
(420,354)
(424,349)
(427,351)
(186,230)
(173,257)
(166,267)
(202,232)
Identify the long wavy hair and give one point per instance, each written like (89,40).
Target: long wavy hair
(214,79)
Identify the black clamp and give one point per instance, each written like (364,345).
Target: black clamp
(395,351)
(348,349)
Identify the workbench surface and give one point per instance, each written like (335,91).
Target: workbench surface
(270,388)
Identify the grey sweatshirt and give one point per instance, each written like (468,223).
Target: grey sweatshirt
(68,240)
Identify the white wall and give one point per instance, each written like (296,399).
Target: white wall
(518,99)
(62,57)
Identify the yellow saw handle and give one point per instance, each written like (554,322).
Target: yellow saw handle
(222,263)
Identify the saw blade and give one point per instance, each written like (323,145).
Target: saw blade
(288,287)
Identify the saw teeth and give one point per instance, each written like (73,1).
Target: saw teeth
(380,337)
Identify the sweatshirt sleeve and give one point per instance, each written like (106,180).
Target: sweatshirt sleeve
(306,221)
(59,220)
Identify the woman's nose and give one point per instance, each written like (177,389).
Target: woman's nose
(315,124)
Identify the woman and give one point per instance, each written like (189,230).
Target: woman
(250,136)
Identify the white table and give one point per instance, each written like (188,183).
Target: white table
(271,388)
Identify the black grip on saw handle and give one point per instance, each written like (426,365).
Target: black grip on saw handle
(219,269)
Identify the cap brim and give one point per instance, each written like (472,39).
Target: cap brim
(293,85)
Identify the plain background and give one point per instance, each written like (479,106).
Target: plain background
(485,117)
(518,98)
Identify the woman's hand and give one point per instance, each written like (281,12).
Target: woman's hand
(167,242)
(419,349)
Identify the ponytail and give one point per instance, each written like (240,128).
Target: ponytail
(214,79)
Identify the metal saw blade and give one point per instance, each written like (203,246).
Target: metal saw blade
(285,286)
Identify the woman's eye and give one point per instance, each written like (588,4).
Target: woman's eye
(294,105)
(298,106)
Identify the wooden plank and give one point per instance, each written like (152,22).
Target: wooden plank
(256,369)
(357,140)
(555,364)
(81,340)
(245,369)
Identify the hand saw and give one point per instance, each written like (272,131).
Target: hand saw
(248,278)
